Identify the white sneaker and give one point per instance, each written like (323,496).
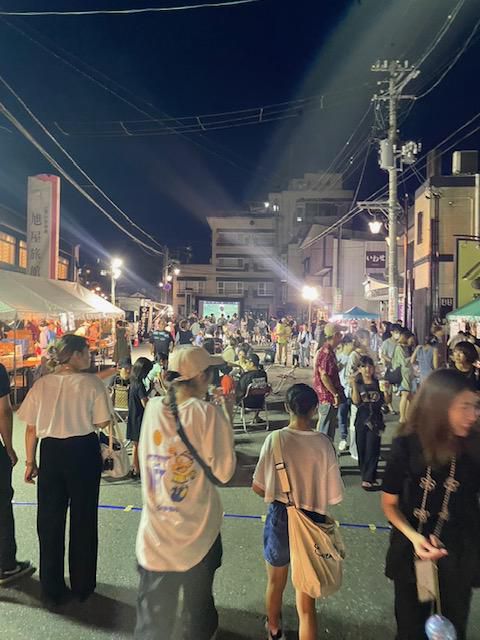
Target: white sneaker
(342,446)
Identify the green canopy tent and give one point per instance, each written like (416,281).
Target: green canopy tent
(470,311)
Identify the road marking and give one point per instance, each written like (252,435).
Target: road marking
(239,516)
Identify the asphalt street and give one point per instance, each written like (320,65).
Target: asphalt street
(362,610)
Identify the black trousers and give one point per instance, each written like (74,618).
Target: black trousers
(158,600)
(368,447)
(411,615)
(69,476)
(8,548)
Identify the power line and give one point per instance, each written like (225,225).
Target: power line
(71,180)
(382,191)
(201,143)
(94,12)
(454,61)
(73,161)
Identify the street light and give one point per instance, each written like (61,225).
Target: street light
(169,277)
(115,273)
(375,226)
(176,271)
(310,294)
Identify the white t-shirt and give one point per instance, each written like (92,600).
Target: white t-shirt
(66,405)
(312,469)
(182,511)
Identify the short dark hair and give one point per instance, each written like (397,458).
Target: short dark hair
(301,399)
(254,359)
(366,360)
(347,339)
(395,327)
(468,350)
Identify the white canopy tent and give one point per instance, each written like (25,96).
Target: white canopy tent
(23,296)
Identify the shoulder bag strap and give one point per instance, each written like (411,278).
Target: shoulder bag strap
(280,466)
(206,469)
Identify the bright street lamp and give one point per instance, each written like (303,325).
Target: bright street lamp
(375,226)
(169,278)
(310,294)
(116,263)
(176,271)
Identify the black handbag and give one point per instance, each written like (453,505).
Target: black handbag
(393,376)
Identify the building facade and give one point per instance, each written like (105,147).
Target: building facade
(13,246)
(446,208)
(242,267)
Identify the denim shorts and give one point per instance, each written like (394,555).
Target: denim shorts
(276,549)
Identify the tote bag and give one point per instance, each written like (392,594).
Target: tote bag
(114,455)
(316,550)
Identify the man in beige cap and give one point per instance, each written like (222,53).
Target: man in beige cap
(186,447)
(326,381)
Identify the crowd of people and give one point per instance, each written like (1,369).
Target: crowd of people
(180,417)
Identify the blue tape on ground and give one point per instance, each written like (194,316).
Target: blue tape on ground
(239,516)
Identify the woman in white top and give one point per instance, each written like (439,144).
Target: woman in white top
(316,483)
(63,411)
(178,541)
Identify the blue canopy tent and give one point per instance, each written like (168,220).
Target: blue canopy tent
(355,313)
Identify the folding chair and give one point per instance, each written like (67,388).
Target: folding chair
(254,401)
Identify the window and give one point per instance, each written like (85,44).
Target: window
(231,263)
(22,254)
(63,267)
(7,248)
(265,288)
(232,239)
(264,240)
(420,227)
(225,287)
(196,286)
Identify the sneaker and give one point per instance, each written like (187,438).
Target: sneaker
(20,571)
(273,636)
(342,446)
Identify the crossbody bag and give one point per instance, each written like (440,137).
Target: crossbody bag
(316,550)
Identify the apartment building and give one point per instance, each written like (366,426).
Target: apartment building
(242,270)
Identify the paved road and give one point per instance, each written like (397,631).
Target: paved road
(362,610)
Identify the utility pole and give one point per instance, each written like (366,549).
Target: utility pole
(399,75)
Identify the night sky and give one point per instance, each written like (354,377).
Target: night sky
(215,60)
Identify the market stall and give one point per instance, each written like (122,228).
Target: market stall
(466,318)
(352,317)
(30,306)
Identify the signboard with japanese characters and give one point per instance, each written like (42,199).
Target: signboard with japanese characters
(43,223)
(375,259)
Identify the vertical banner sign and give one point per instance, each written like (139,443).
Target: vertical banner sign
(43,225)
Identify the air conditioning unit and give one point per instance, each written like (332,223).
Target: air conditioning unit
(464,162)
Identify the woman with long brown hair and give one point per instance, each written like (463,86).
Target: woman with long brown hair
(63,410)
(430,496)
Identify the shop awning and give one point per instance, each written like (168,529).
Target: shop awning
(470,311)
(23,296)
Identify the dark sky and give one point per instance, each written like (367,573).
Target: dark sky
(204,61)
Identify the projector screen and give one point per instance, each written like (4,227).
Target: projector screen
(217,307)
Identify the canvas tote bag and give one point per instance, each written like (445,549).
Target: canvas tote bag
(116,464)
(316,550)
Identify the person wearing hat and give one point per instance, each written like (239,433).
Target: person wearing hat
(178,541)
(326,381)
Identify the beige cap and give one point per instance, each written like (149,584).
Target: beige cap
(330,329)
(189,362)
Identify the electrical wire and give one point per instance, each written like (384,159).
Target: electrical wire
(454,61)
(73,161)
(195,141)
(11,118)
(440,35)
(382,192)
(95,12)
